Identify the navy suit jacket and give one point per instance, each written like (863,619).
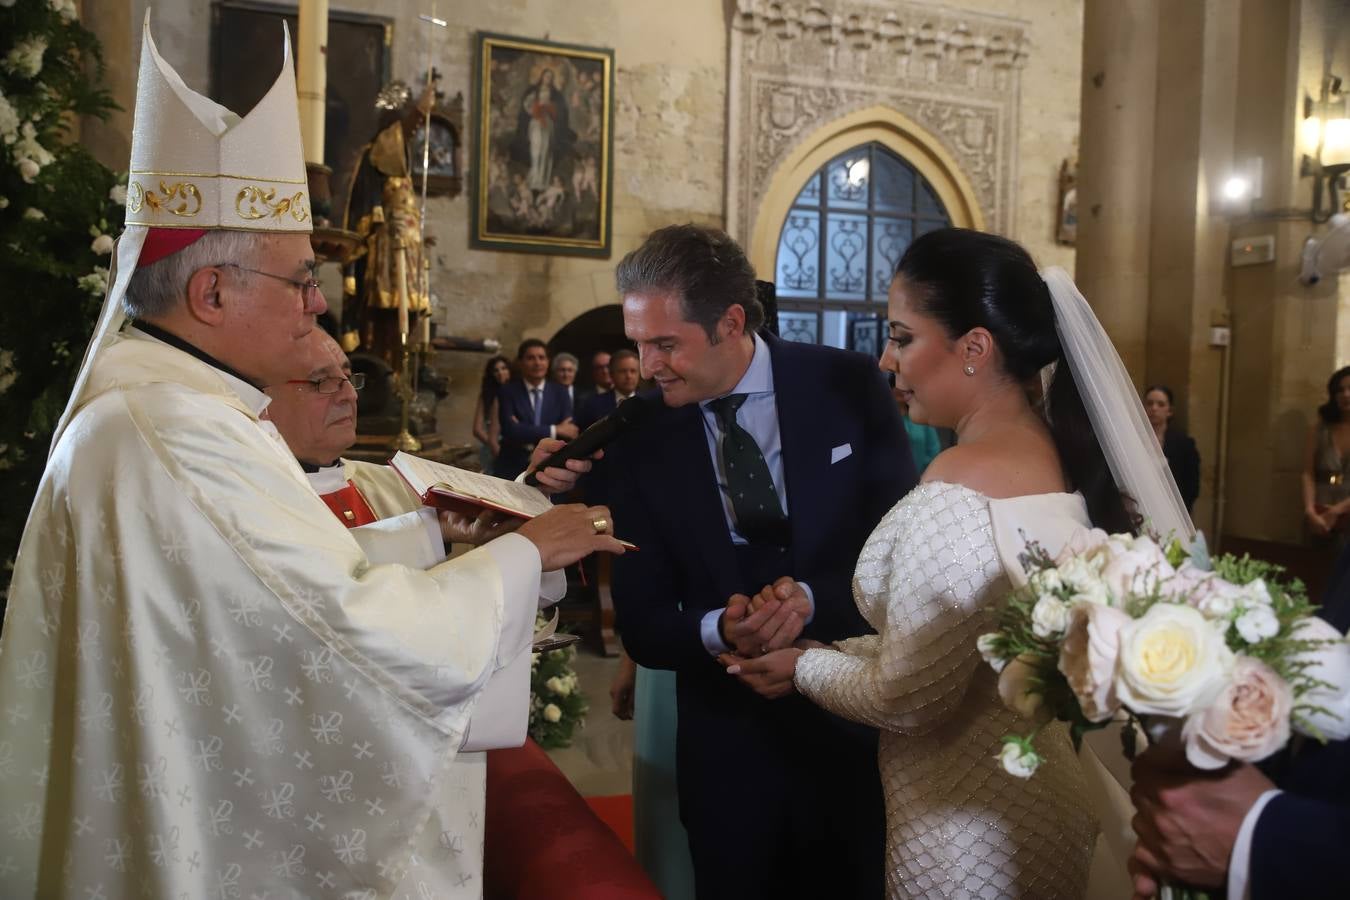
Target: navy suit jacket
(665,499)
(595,407)
(1301,833)
(518,431)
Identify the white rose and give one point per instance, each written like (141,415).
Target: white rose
(1256,594)
(4,203)
(66,8)
(1216,598)
(118,194)
(102,244)
(1077,574)
(1047,581)
(33,214)
(9,121)
(552,713)
(1019,759)
(1017,690)
(1088,656)
(1257,624)
(1049,617)
(28,169)
(1171,661)
(1328,662)
(1248,721)
(985,644)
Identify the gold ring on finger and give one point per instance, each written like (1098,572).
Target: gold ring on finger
(600,524)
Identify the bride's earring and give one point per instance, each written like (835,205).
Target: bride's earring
(970,370)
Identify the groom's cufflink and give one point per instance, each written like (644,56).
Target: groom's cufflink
(843,451)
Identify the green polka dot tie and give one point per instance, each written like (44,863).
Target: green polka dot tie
(759,515)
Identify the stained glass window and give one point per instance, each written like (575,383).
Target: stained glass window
(846,231)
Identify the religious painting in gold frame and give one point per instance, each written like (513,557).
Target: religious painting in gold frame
(543,147)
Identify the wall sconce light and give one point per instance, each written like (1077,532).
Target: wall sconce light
(1325,136)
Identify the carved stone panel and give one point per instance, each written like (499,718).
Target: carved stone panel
(795,67)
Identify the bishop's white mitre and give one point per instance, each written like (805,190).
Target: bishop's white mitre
(195,164)
(196,167)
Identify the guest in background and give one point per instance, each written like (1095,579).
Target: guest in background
(623,373)
(1326,494)
(486,427)
(530,408)
(924,440)
(565,373)
(600,382)
(600,372)
(647,696)
(1178,446)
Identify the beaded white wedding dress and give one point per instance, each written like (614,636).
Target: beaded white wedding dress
(958,826)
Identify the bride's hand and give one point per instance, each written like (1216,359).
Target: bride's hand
(770,675)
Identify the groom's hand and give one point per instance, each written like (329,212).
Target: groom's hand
(755,630)
(1188,821)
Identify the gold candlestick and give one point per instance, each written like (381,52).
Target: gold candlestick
(405,440)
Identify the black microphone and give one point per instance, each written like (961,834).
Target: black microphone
(628,414)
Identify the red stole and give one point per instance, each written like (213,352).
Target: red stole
(349,506)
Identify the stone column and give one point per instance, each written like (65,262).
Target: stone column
(1115,168)
(110,141)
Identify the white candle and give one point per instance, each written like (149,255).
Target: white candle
(402,273)
(312,75)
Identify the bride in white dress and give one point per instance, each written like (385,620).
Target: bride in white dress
(972,327)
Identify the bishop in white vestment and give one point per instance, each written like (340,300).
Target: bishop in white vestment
(210,689)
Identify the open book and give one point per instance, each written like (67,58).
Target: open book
(447,487)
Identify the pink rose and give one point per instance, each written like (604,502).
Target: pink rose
(1083,542)
(1020,690)
(1248,721)
(1088,655)
(1136,571)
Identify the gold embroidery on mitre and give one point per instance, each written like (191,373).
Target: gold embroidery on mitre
(179,199)
(254,203)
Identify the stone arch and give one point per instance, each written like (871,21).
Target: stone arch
(886,126)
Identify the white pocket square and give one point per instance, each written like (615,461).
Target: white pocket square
(843,451)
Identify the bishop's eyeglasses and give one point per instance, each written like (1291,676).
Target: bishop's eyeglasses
(333,384)
(309,288)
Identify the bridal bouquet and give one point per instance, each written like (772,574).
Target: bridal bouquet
(1222,655)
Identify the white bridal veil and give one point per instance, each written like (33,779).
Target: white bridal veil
(1117,415)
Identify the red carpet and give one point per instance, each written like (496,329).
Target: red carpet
(617,813)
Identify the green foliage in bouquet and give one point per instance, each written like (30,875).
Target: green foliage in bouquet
(557,707)
(58,207)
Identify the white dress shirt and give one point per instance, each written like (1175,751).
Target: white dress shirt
(758,415)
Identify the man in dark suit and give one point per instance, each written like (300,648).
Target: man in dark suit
(624,376)
(530,409)
(770,462)
(1260,833)
(623,368)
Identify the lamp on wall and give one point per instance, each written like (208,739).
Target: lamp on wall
(1325,136)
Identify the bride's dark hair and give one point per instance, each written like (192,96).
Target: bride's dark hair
(968,279)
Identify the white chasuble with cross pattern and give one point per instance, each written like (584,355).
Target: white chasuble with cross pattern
(207,688)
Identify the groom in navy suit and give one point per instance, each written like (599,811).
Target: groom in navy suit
(770,463)
(530,408)
(1262,834)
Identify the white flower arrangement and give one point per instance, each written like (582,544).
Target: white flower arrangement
(557,707)
(1222,655)
(25,58)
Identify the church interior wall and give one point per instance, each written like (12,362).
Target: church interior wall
(669,115)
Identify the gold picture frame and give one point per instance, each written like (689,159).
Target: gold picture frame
(543,147)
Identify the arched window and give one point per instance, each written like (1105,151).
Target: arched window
(841,241)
